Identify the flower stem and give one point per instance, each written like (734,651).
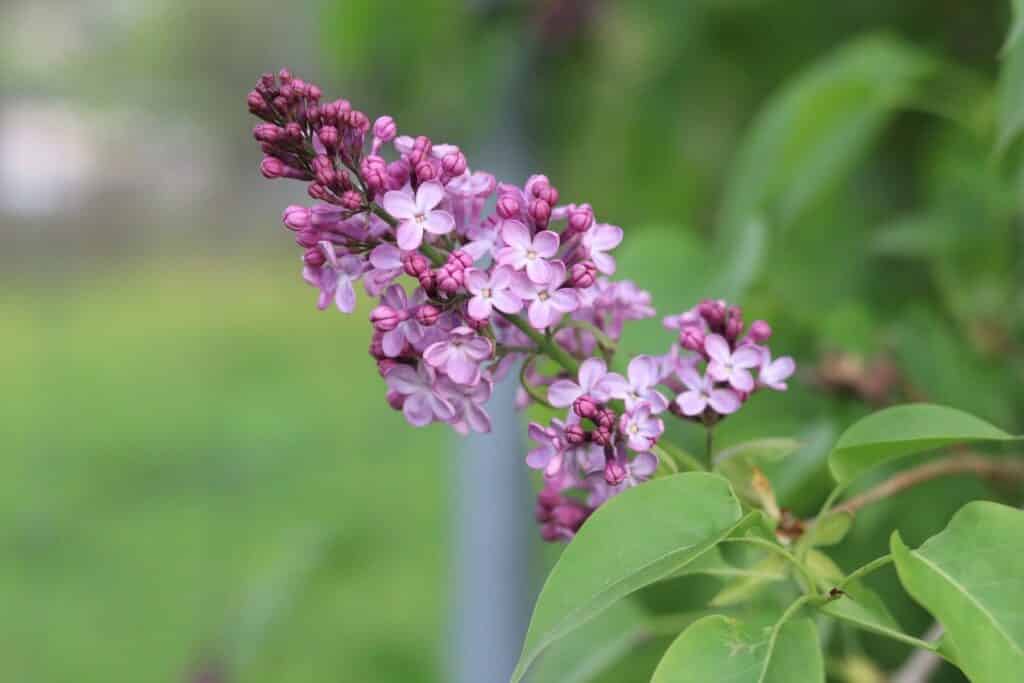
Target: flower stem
(861,572)
(545,345)
(529,388)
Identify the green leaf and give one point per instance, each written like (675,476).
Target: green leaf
(739,463)
(971,577)
(811,133)
(905,430)
(719,648)
(864,609)
(829,530)
(1011,82)
(637,538)
(769,570)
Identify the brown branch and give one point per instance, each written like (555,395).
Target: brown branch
(1004,468)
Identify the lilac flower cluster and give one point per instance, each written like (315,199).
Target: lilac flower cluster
(473,277)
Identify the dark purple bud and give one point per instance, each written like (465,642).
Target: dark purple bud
(460,259)
(552,533)
(733,328)
(428,315)
(319,192)
(586,407)
(314,257)
(377,347)
(449,279)
(713,313)
(352,200)
(540,212)
(601,436)
(420,150)
(606,419)
(454,163)
(293,131)
(272,167)
(614,472)
(296,217)
(582,275)
(692,339)
(307,238)
(395,399)
(428,281)
(398,172)
(760,331)
(581,218)
(385,318)
(575,435)
(285,76)
(384,129)
(549,497)
(314,92)
(425,171)
(268,132)
(415,264)
(569,515)
(508,206)
(359,121)
(329,137)
(546,192)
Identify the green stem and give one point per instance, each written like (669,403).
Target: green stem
(602,338)
(861,572)
(708,443)
(812,587)
(530,389)
(545,345)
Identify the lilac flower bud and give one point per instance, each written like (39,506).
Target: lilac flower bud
(415,264)
(601,436)
(575,434)
(420,150)
(395,399)
(314,257)
(385,318)
(384,129)
(569,515)
(586,407)
(733,328)
(285,76)
(293,132)
(307,238)
(547,192)
(329,137)
(542,513)
(508,206)
(606,419)
(581,218)
(428,281)
(268,132)
(296,217)
(460,259)
(352,200)
(582,275)
(540,212)
(449,279)
(614,472)
(377,347)
(552,533)
(257,105)
(314,92)
(454,163)
(760,331)
(398,172)
(425,171)
(319,192)
(549,497)
(359,121)
(272,167)
(428,315)
(692,338)
(713,313)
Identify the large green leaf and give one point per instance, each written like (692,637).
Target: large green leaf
(863,608)
(905,430)
(971,577)
(637,538)
(811,133)
(719,648)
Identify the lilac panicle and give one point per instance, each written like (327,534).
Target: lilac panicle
(470,276)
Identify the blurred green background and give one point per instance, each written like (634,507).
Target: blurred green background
(199,481)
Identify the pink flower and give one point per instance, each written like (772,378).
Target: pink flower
(731,366)
(407,330)
(422,405)
(483,240)
(633,473)
(599,239)
(594,381)
(468,401)
(335,278)
(774,373)
(641,428)
(550,446)
(528,252)
(460,355)
(418,214)
(644,373)
(491,291)
(548,302)
(702,394)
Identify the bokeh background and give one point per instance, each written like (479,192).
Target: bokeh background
(199,478)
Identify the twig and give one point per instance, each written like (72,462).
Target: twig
(921,664)
(965,463)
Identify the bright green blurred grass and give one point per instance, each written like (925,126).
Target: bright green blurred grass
(195,461)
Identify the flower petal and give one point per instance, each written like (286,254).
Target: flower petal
(603,262)
(437,354)
(439,223)
(717,348)
(417,410)
(506,302)
(479,308)
(691,403)
(746,357)
(565,300)
(403,379)
(642,372)
(602,237)
(538,270)
(386,257)
(545,243)
(515,234)
(724,401)
(563,392)
(409,235)
(345,296)
(540,314)
(591,372)
(393,342)
(741,380)
(691,378)
(428,196)
(398,204)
